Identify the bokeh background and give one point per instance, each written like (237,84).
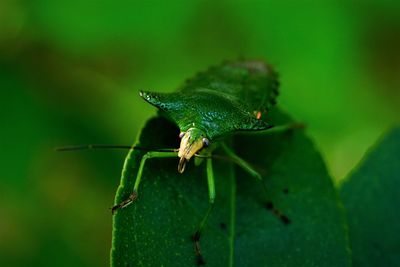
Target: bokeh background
(70,73)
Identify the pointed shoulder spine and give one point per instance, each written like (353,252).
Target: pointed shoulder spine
(150,97)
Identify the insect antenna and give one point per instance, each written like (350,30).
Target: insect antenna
(104,146)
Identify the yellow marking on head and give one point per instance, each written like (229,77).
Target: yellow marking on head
(191,143)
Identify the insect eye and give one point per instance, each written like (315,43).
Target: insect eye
(206,142)
(181,134)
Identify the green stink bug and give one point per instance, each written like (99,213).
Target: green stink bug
(222,101)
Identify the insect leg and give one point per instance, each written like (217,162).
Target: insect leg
(134,195)
(203,223)
(246,166)
(242,163)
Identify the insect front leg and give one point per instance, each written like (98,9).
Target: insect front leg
(133,196)
(203,223)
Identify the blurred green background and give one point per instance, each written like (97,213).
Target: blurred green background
(70,74)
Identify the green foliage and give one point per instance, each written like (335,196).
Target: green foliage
(372,202)
(242,230)
(70,73)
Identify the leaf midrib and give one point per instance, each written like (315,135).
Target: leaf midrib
(232,218)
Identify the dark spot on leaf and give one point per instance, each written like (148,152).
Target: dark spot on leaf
(269,205)
(200,260)
(285,219)
(222,226)
(285,191)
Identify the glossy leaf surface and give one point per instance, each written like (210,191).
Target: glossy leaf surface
(243,229)
(372,202)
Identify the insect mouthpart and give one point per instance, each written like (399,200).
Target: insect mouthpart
(182,164)
(192,141)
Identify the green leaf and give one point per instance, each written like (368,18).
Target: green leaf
(156,230)
(372,200)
